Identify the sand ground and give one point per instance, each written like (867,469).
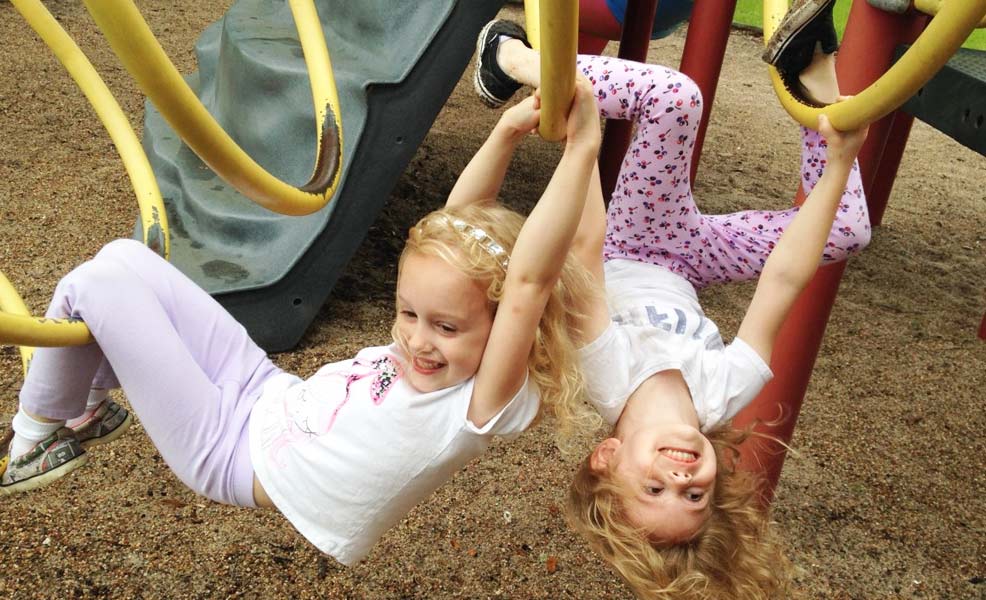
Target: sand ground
(884,500)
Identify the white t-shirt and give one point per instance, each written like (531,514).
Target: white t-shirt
(659,325)
(346,454)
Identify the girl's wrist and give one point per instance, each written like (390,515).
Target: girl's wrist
(589,147)
(508,134)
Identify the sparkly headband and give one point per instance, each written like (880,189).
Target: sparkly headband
(486,242)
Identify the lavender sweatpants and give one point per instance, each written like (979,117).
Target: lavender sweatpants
(189,370)
(652,215)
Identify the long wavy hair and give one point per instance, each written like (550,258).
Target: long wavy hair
(553,361)
(736,554)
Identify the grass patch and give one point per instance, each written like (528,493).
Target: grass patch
(750,12)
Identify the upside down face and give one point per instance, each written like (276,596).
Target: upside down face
(668,473)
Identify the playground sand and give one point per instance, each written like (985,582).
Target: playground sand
(884,499)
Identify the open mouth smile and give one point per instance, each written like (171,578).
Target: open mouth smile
(425,366)
(679,455)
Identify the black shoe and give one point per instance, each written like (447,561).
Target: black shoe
(791,49)
(493,85)
(792,46)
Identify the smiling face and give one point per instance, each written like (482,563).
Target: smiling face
(669,474)
(443,322)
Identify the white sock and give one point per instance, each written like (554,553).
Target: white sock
(28,431)
(96,397)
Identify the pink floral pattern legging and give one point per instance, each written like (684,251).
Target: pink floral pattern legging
(652,215)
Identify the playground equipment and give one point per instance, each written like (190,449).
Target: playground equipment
(17,326)
(145,60)
(395,65)
(944,35)
(559,22)
(867,53)
(133,42)
(397,68)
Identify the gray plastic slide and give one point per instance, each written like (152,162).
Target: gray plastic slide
(396,62)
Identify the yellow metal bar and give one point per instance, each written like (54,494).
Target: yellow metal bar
(25,330)
(152,215)
(142,55)
(559,25)
(532,22)
(11,303)
(324,93)
(18,327)
(939,41)
(933,7)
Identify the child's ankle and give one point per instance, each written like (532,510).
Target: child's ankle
(96,398)
(818,79)
(28,431)
(512,58)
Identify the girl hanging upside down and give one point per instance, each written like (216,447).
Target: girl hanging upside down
(660,498)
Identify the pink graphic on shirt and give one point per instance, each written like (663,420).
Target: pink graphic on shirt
(308,416)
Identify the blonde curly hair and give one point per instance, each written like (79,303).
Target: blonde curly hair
(736,553)
(553,361)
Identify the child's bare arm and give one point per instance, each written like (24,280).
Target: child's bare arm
(536,262)
(795,259)
(587,248)
(480,181)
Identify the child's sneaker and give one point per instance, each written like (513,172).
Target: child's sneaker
(493,85)
(806,23)
(51,458)
(106,423)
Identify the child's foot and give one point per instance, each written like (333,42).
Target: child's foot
(818,83)
(492,84)
(105,424)
(807,29)
(51,458)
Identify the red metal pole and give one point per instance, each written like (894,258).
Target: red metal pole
(886,173)
(597,26)
(705,47)
(867,51)
(634,43)
(898,131)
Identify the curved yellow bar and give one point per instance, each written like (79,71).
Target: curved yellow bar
(943,36)
(142,55)
(325,96)
(12,304)
(559,29)
(23,330)
(17,326)
(933,7)
(152,215)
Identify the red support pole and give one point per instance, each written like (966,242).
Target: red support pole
(898,130)
(634,43)
(778,405)
(705,47)
(886,173)
(867,52)
(597,26)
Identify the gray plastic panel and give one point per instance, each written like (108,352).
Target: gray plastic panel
(954,100)
(395,65)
